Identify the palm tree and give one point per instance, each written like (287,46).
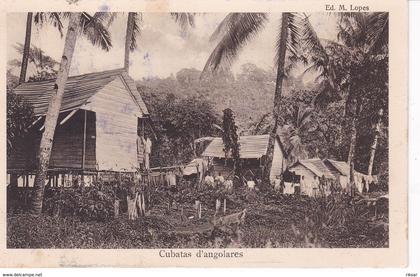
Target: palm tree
(132,31)
(262,126)
(375,142)
(77,22)
(366,35)
(377,38)
(235,31)
(298,124)
(361,37)
(92,27)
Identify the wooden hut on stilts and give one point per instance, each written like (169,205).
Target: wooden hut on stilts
(99,134)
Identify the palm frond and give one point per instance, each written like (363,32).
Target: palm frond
(304,116)
(237,29)
(290,64)
(36,55)
(94,28)
(258,127)
(293,41)
(299,125)
(313,68)
(224,26)
(294,33)
(312,45)
(365,31)
(39,18)
(350,16)
(378,32)
(54,18)
(137,23)
(316,49)
(353,29)
(184,20)
(292,141)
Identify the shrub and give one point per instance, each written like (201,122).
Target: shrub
(333,210)
(272,220)
(88,203)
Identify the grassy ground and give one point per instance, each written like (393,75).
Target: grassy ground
(271,221)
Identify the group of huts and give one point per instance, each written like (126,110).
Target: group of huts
(101,131)
(302,176)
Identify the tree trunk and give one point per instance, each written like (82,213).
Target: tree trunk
(341,126)
(53,112)
(353,136)
(352,148)
(375,142)
(277,97)
(26,48)
(128,35)
(350,160)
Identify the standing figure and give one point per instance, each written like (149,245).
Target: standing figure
(364,185)
(147,151)
(282,186)
(219,180)
(317,187)
(276,183)
(209,180)
(228,185)
(301,185)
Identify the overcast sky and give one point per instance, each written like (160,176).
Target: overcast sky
(163,48)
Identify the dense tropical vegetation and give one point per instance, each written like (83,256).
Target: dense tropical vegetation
(345,66)
(324,98)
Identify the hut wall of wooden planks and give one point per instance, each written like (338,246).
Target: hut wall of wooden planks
(116,127)
(68,149)
(99,127)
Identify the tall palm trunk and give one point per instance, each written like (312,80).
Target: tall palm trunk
(26,48)
(341,131)
(375,142)
(277,96)
(128,35)
(353,136)
(53,112)
(352,148)
(350,160)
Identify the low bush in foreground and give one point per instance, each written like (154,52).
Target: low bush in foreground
(88,203)
(272,221)
(28,231)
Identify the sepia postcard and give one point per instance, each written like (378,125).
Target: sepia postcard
(204,133)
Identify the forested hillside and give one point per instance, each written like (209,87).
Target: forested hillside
(313,121)
(249,94)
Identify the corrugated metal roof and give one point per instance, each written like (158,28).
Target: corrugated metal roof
(340,166)
(77,92)
(252,147)
(316,166)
